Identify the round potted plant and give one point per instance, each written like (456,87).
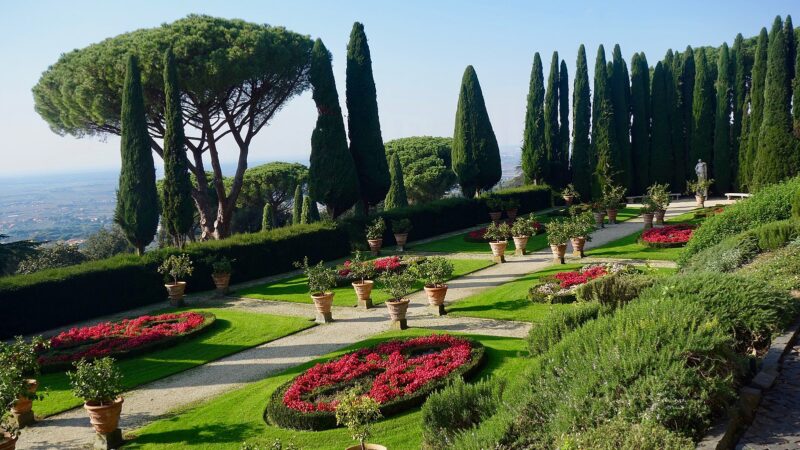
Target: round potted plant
(435,272)
(658,196)
(321,281)
(24,357)
(357,412)
(558,233)
(599,214)
(495,206)
(374,233)
(700,190)
(612,201)
(99,384)
(570,194)
(176,267)
(497,234)
(362,270)
(221,270)
(580,229)
(398,285)
(521,230)
(648,213)
(12,385)
(511,206)
(400,228)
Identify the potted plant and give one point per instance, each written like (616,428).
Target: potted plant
(357,413)
(497,234)
(374,233)
(511,206)
(12,385)
(648,210)
(658,196)
(570,194)
(176,267)
(398,285)
(99,384)
(495,206)
(580,228)
(434,273)
(221,269)
(558,233)
(362,270)
(612,201)
(700,189)
(321,281)
(521,230)
(599,214)
(24,357)
(400,228)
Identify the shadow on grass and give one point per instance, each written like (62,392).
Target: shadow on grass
(211,434)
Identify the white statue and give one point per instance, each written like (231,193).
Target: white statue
(701,169)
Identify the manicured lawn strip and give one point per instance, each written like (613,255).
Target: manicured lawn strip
(235,417)
(295,289)
(232,332)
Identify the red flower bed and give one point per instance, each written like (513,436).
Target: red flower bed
(668,236)
(394,372)
(110,338)
(387,264)
(569,279)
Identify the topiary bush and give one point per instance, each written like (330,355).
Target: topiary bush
(615,290)
(779,269)
(774,235)
(544,335)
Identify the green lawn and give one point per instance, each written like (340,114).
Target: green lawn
(295,289)
(232,332)
(235,417)
(457,244)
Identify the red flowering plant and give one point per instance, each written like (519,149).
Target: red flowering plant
(398,374)
(561,287)
(357,268)
(123,338)
(667,236)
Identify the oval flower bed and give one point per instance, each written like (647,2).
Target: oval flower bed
(398,374)
(121,339)
(560,288)
(668,236)
(477,235)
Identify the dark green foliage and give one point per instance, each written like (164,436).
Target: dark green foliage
(177,207)
(613,291)
(272,183)
(796,205)
(774,235)
(673,69)
(313,211)
(363,124)
(268,218)
(545,335)
(686,88)
(727,255)
(396,198)
(332,175)
(742,171)
(137,198)
(457,408)
(305,214)
(581,162)
(791,50)
(534,149)
(723,155)
(739,96)
(796,93)
(297,205)
(702,142)
(563,114)
(51,257)
(476,155)
(757,83)
(12,253)
(552,143)
(640,126)
(427,166)
(618,434)
(620,99)
(604,130)
(105,243)
(780,269)
(661,151)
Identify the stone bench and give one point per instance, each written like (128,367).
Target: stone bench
(736,195)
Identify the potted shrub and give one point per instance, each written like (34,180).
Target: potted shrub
(321,281)
(580,229)
(570,194)
(495,206)
(511,206)
(24,357)
(648,213)
(400,228)
(221,269)
(700,189)
(176,267)
(435,272)
(558,233)
(12,385)
(99,384)
(374,233)
(521,230)
(362,270)
(398,285)
(497,234)
(612,201)
(658,196)
(599,214)
(357,413)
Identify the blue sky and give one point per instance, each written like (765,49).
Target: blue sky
(419,51)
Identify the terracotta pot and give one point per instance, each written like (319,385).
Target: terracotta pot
(221,281)
(520,242)
(23,405)
(612,215)
(499,250)
(397,309)
(104,418)
(323,303)
(401,239)
(367,447)
(436,295)
(660,216)
(568,199)
(7,442)
(363,290)
(648,220)
(701,201)
(598,218)
(578,244)
(375,246)
(559,250)
(175,292)
(495,216)
(511,214)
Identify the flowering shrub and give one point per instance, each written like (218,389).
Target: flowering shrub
(561,287)
(114,338)
(380,265)
(477,235)
(391,373)
(668,236)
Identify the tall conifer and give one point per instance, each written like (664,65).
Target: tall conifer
(268,221)
(723,158)
(551,131)
(640,126)
(581,159)
(620,98)
(661,155)
(702,112)
(673,68)
(305,214)
(297,205)
(686,102)
(758,78)
(739,92)
(534,153)
(563,127)
(396,198)
(604,139)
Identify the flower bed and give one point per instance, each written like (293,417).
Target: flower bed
(668,236)
(477,235)
(123,338)
(398,374)
(561,287)
(381,265)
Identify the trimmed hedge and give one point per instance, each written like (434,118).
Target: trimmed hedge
(614,290)
(545,335)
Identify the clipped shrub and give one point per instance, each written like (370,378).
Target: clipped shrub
(725,256)
(459,406)
(774,235)
(614,290)
(620,435)
(780,269)
(543,336)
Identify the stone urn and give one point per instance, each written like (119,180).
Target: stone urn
(701,200)
(397,313)
(511,214)
(401,239)
(363,291)
(659,215)
(568,199)
(495,216)
(104,418)
(599,216)
(7,442)
(520,242)
(436,295)
(499,251)
(323,303)
(559,251)
(648,220)
(612,216)
(175,292)
(22,408)
(367,447)
(578,243)
(221,281)
(375,246)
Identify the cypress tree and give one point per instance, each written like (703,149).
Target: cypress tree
(620,98)
(673,67)
(640,126)
(268,218)
(723,158)
(551,131)
(739,92)
(366,143)
(313,211)
(702,113)
(475,154)
(297,205)
(661,151)
(796,95)
(777,157)
(137,198)
(758,78)
(686,102)
(534,153)
(332,175)
(581,159)
(791,50)
(177,206)
(396,198)
(305,214)
(746,130)
(604,137)
(563,130)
